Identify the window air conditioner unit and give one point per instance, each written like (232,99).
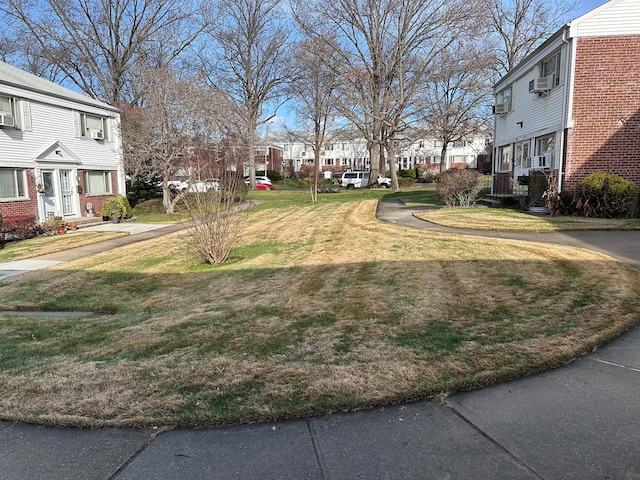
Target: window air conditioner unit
(542,84)
(540,162)
(502,108)
(96,134)
(6,120)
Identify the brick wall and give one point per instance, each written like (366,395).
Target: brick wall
(96,201)
(22,207)
(606,110)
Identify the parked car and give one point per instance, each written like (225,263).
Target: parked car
(194,185)
(354,179)
(262,183)
(258,179)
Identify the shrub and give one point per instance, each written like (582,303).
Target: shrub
(406,182)
(139,191)
(411,173)
(215,220)
(112,207)
(430,177)
(126,209)
(567,202)
(274,175)
(607,195)
(460,187)
(19,227)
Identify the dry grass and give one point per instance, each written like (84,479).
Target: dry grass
(46,245)
(324,308)
(510,220)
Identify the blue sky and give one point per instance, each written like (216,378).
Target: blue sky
(286,116)
(584,6)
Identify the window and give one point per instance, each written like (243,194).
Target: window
(421,144)
(328,161)
(437,159)
(522,158)
(97,182)
(8,109)
(329,146)
(545,147)
(459,159)
(5,106)
(91,126)
(550,66)
(503,162)
(12,183)
(503,101)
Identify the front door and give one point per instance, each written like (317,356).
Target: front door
(58,193)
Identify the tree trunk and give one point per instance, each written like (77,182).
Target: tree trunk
(443,157)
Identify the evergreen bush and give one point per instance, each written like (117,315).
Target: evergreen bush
(607,195)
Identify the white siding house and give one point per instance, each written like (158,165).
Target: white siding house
(348,151)
(60,151)
(572,107)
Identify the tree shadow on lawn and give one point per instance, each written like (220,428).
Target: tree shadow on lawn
(230,344)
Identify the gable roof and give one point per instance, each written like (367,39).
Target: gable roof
(614,17)
(17,78)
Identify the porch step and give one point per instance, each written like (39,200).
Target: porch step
(87,221)
(488,201)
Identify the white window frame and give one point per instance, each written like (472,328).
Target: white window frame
(11,102)
(503,159)
(106,181)
(83,128)
(19,184)
(545,146)
(505,97)
(522,157)
(551,66)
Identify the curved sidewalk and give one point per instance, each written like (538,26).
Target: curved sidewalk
(577,422)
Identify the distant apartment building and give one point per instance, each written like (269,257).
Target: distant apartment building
(348,151)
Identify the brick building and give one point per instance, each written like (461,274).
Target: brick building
(572,107)
(60,151)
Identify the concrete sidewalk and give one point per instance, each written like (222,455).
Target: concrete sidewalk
(577,422)
(137,233)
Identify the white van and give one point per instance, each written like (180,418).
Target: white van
(361,179)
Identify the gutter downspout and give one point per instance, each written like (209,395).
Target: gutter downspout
(567,98)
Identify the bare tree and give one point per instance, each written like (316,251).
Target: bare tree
(97,44)
(519,26)
(459,94)
(216,217)
(252,61)
(179,120)
(385,51)
(315,92)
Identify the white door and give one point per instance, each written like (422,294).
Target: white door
(59,197)
(49,195)
(66,193)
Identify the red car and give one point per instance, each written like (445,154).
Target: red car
(262,184)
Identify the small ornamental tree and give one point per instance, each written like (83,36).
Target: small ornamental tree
(607,195)
(459,187)
(216,218)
